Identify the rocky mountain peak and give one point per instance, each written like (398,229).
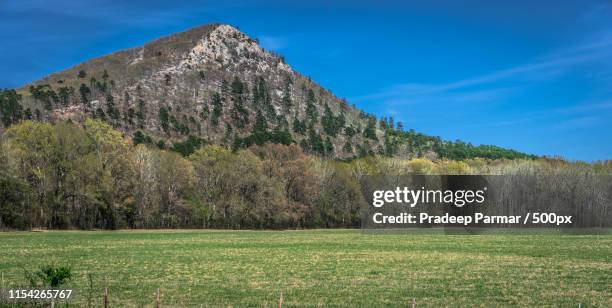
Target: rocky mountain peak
(215,84)
(212,83)
(227,48)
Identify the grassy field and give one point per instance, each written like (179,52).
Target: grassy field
(318,268)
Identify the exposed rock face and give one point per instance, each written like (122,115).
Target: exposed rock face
(212,82)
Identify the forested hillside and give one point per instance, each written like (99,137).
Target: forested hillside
(215,85)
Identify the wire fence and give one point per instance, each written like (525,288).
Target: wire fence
(167,294)
(109,298)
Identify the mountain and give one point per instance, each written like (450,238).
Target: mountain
(214,84)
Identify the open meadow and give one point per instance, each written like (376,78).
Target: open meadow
(316,268)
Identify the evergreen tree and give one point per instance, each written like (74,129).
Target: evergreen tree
(239,113)
(332,124)
(400,126)
(261,125)
(282,136)
(11,110)
(64,95)
(141,113)
(187,147)
(92,83)
(315,142)
(138,138)
(287,102)
(299,127)
(45,94)
(113,113)
(349,131)
(261,97)
(217,109)
(370,130)
(164,118)
(129,116)
(340,121)
(390,146)
(311,109)
(85,92)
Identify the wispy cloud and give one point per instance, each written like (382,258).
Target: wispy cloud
(579,122)
(433,98)
(546,67)
(597,107)
(584,114)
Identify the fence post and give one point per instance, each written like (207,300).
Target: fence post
(413,302)
(105,297)
(157,301)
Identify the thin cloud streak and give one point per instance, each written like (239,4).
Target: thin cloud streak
(468,97)
(582,111)
(551,65)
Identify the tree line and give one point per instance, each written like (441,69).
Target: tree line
(87,176)
(70,176)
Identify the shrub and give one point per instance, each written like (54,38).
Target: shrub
(49,276)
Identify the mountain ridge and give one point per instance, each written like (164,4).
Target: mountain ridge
(215,84)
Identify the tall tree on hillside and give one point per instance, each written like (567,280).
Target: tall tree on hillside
(287,101)
(261,125)
(85,92)
(164,118)
(370,130)
(11,110)
(332,124)
(315,142)
(141,114)
(217,109)
(311,109)
(64,95)
(239,113)
(299,127)
(112,111)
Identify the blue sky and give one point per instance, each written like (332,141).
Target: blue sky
(536,77)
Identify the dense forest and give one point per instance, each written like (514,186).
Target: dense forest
(68,175)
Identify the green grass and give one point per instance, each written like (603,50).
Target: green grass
(320,267)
